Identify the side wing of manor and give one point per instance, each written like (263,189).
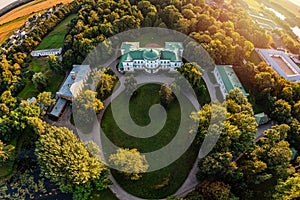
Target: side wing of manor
(227,80)
(72,85)
(150,59)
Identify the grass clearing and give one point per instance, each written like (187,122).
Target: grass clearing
(170,177)
(145,39)
(56,38)
(54,80)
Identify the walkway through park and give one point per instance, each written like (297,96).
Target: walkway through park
(191,181)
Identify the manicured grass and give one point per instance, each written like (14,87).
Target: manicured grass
(28,91)
(145,39)
(103,194)
(172,176)
(56,38)
(54,79)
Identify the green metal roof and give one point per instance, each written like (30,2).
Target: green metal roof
(261,118)
(168,55)
(230,79)
(150,54)
(134,52)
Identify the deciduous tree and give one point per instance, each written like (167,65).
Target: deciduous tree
(130,162)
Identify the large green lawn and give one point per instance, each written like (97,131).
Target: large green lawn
(54,79)
(172,176)
(56,38)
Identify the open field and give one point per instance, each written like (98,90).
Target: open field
(17,17)
(56,38)
(285,7)
(11,26)
(32,7)
(163,182)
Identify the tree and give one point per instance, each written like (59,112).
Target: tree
(294,134)
(289,189)
(125,23)
(105,83)
(54,63)
(296,110)
(5,152)
(40,81)
(130,162)
(93,149)
(64,160)
(214,190)
(8,99)
(46,99)
(282,111)
(86,106)
(218,166)
(233,121)
(166,95)
(192,72)
(274,150)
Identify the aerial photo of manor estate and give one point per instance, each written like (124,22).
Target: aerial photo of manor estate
(137,100)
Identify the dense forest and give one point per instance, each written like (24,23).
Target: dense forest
(237,168)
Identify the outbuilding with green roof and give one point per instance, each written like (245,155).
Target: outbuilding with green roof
(228,80)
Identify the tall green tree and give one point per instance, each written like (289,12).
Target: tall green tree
(215,190)
(105,83)
(288,189)
(39,80)
(282,111)
(130,162)
(85,107)
(166,95)
(63,159)
(46,99)
(54,63)
(5,152)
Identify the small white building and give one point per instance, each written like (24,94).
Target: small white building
(46,52)
(150,59)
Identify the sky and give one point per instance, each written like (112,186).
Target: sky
(4,3)
(295,2)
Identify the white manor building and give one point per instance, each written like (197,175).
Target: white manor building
(134,57)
